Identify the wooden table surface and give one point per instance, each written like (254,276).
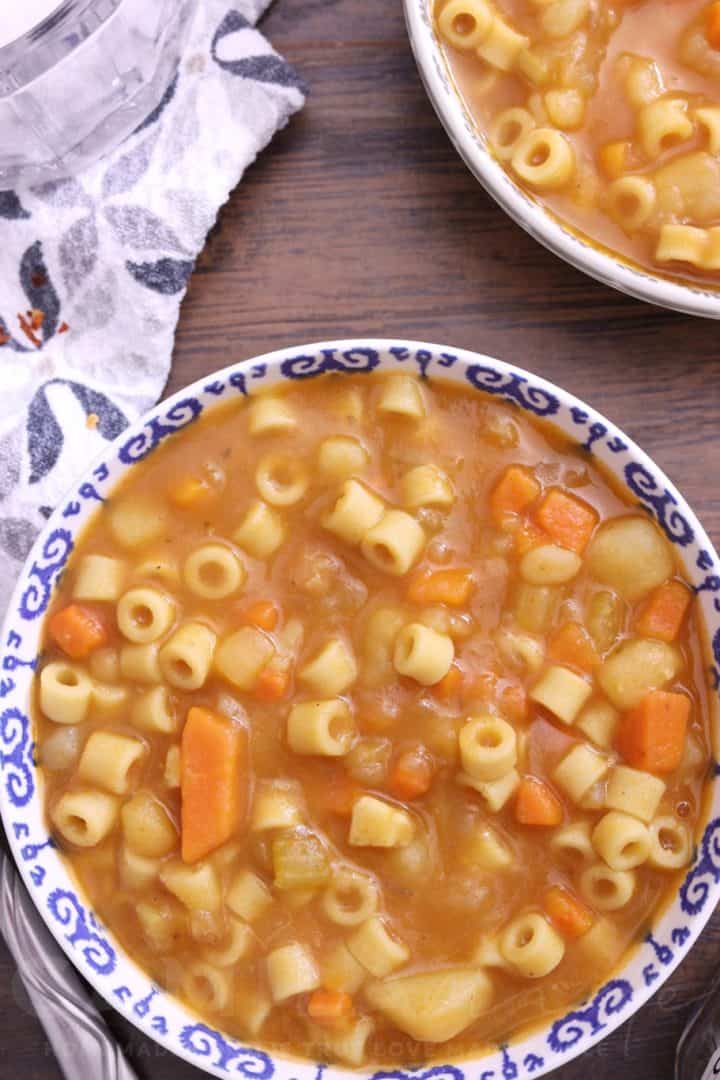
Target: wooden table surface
(361,220)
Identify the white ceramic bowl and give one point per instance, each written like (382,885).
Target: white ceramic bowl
(92,947)
(471,144)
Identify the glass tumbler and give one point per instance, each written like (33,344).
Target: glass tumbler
(81,79)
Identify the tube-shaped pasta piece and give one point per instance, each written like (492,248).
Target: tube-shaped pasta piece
(634,792)
(144,614)
(213,572)
(253,1008)
(281,480)
(508,129)
(565,108)
(606,889)
(147,826)
(107,700)
(340,970)
(484,848)
(496,793)
(402,396)
(185,659)
(395,544)
(341,456)
(65,692)
(196,886)
(631,200)
(621,841)
(670,843)
(291,970)
(112,761)
(172,771)
(549,564)
(136,521)
(531,945)
(351,897)
(488,747)
(261,532)
(599,721)
(423,654)
(248,896)
(709,119)
(563,17)
(331,671)
(140,663)
(347,1044)
(321,727)
(154,711)
(136,871)
(544,159)
(465,24)
(503,46)
(562,692)
(376,949)
(158,566)
(355,511)
(206,987)
(375,823)
(427,485)
(271,415)
(682,243)
(573,839)
(520,650)
(98,577)
(579,770)
(241,943)
(241,657)
(663,123)
(278,804)
(84,817)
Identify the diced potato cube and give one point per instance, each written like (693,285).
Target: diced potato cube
(341,971)
(376,823)
(579,770)
(598,721)
(241,657)
(346,1044)
(484,848)
(291,970)
(637,667)
(562,692)
(299,861)
(634,792)
(630,555)
(496,793)
(433,1006)
(248,896)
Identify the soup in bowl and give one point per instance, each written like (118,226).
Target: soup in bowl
(360,708)
(603,115)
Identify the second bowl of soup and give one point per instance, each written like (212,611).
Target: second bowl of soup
(358,710)
(595,125)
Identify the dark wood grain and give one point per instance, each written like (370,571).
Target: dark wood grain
(361,220)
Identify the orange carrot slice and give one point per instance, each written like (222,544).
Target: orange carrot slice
(663,614)
(77,630)
(567,914)
(537,804)
(566,519)
(214,781)
(652,735)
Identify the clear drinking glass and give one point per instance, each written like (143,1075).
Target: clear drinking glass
(82,79)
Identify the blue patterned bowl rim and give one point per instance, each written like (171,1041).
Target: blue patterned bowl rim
(575,249)
(93,949)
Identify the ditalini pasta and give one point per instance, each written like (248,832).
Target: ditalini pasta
(357,723)
(538,77)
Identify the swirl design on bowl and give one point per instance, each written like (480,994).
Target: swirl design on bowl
(357,361)
(16,760)
(84,934)
(204,1041)
(513,387)
(44,573)
(662,503)
(158,428)
(695,890)
(609,1001)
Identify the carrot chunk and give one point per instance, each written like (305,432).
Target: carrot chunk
(514,703)
(567,914)
(528,536)
(331,1008)
(515,490)
(263,614)
(77,630)
(537,804)
(411,775)
(452,587)
(566,519)
(571,645)
(663,614)
(449,685)
(214,781)
(272,683)
(652,735)
(712,25)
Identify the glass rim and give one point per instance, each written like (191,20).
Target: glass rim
(28,46)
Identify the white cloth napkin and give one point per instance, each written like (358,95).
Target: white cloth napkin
(93,268)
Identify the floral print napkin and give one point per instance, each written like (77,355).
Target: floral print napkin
(93,268)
